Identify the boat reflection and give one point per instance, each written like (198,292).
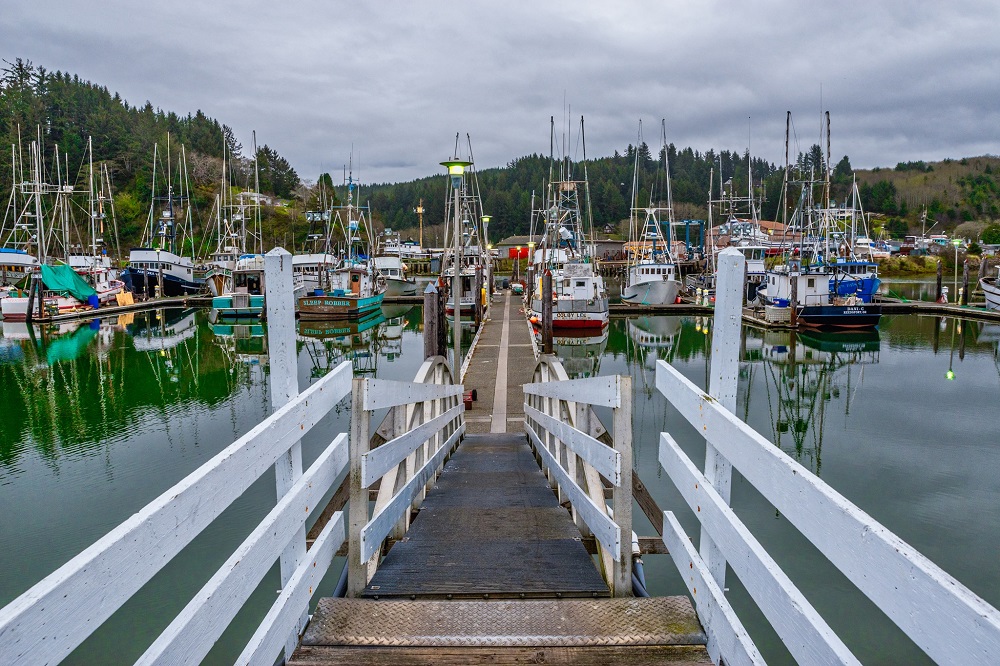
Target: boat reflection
(580,354)
(397,319)
(329,343)
(806,374)
(245,341)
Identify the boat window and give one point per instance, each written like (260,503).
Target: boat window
(581,283)
(811,282)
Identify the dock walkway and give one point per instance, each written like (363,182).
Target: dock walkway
(493,569)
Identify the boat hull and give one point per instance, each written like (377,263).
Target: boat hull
(141,281)
(991,287)
(574,314)
(397,287)
(660,292)
(860,316)
(232,306)
(338,307)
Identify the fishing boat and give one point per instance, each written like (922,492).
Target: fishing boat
(18,233)
(246,296)
(824,281)
(230,237)
(60,288)
(93,264)
(473,258)
(157,267)
(354,289)
(389,262)
(652,277)
(579,298)
(991,288)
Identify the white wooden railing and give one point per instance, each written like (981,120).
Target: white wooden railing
(56,615)
(558,415)
(944,618)
(428,421)
(52,618)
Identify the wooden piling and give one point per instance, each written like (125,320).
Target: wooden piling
(32,289)
(477,296)
(937,294)
(432,334)
(547,312)
(965,282)
(442,322)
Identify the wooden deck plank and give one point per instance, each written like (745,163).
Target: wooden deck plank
(491,526)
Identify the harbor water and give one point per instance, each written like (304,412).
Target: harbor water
(100,418)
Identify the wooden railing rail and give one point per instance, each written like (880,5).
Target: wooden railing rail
(428,423)
(52,618)
(557,412)
(945,619)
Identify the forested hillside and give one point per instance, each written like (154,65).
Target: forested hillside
(63,110)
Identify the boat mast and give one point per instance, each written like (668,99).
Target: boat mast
(633,223)
(37,184)
(670,195)
(586,190)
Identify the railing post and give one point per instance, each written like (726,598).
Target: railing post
(357,572)
(622,495)
(280,303)
(723,381)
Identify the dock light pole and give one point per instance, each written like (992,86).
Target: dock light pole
(456,169)
(956,242)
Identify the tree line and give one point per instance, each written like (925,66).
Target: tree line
(63,111)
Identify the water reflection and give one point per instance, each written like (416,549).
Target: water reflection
(79,384)
(330,343)
(807,375)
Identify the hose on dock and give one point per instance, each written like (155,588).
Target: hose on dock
(638,579)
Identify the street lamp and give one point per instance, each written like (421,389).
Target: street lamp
(456,169)
(956,242)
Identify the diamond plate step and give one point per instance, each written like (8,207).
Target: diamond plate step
(505,623)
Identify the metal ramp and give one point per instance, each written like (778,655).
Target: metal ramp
(579,631)
(491,525)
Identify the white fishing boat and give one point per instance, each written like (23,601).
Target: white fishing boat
(991,288)
(158,267)
(579,297)
(389,262)
(824,281)
(652,276)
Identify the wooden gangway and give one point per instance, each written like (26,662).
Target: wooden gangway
(493,567)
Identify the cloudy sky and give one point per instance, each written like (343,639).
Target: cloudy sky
(902,79)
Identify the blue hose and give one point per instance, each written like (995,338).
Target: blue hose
(637,587)
(639,571)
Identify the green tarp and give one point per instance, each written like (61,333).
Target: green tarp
(64,279)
